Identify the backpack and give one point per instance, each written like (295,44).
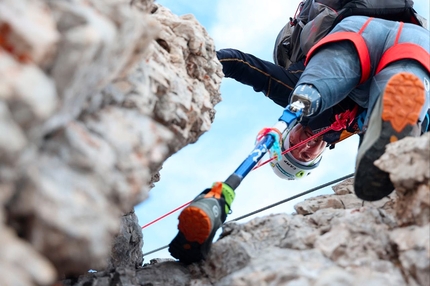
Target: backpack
(299,35)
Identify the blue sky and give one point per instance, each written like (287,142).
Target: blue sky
(250,26)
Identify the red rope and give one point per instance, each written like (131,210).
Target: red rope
(295,146)
(341,122)
(169,213)
(298,11)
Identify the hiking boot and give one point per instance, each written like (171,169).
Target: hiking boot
(394,116)
(199,222)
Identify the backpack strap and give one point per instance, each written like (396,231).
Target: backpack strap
(404,51)
(359,43)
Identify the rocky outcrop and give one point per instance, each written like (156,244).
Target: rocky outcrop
(94,97)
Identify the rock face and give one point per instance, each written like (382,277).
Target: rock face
(94,96)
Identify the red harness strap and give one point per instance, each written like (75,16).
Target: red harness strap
(359,43)
(404,51)
(395,53)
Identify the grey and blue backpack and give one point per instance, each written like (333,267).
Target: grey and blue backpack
(314,19)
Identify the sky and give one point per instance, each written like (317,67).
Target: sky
(250,26)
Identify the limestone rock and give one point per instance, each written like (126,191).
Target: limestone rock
(28,31)
(94,97)
(407,161)
(413,245)
(20,263)
(345,187)
(348,201)
(127,246)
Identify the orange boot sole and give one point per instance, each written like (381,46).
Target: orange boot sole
(402,101)
(194,224)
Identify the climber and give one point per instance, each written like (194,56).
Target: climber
(277,83)
(391,84)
